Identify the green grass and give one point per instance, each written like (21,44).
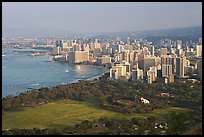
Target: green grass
(58,114)
(66,113)
(161,112)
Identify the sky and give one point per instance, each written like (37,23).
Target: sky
(101,16)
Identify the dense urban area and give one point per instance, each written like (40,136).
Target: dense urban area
(152,86)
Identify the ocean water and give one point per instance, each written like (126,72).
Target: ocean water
(21,72)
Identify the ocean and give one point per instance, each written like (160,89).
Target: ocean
(21,72)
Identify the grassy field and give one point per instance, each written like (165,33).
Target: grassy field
(161,112)
(65,113)
(57,114)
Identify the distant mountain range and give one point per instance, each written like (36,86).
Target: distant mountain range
(35,31)
(40,32)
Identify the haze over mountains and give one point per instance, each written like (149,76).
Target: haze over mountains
(43,32)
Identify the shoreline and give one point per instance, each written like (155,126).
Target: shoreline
(103,70)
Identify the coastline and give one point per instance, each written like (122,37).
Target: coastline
(100,73)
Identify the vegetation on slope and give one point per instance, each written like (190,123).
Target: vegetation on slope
(121,97)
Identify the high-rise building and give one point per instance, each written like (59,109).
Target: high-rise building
(125,56)
(150,76)
(61,43)
(110,51)
(131,59)
(56,43)
(145,50)
(179,44)
(145,62)
(168,65)
(137,74)
(172,51)
(114,73)
(127,65)
(163,51)
(154,69)
(200,69)
(56,50)
(166,70)
(199,50)
(138,48)
(200,41)
(171,78)
(152,50)
(78,56)
(65,45)
(77,47)
(180,66)
(179,52)
(149,61)
(104,60)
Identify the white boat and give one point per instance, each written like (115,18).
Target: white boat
(35,84)
(67,70)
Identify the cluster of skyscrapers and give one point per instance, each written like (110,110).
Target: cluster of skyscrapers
(139,60)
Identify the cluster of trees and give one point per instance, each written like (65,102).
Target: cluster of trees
(106,94)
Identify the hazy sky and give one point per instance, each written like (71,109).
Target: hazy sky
(101,17)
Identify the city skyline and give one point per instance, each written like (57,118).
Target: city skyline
(101,17)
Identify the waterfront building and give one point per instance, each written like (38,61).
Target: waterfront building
(78,56)
(56,50)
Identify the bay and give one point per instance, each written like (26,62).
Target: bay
(21,72)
